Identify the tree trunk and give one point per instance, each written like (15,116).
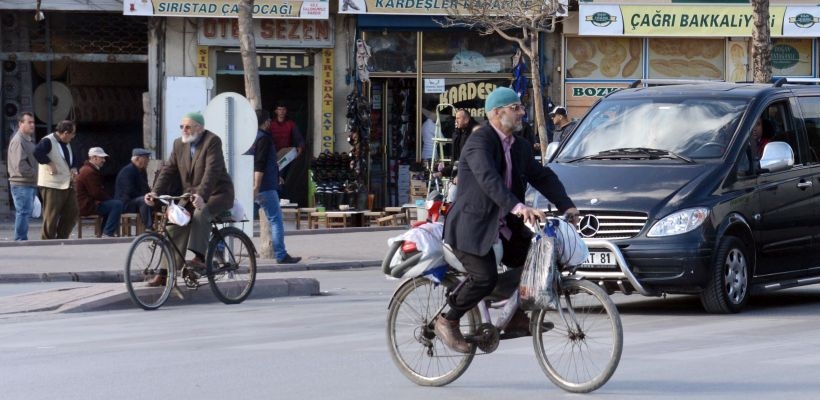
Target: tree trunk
(761,42)
(247,47)
(537,97)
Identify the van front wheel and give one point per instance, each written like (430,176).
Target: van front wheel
(728,288)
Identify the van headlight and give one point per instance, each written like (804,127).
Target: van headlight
(679,222)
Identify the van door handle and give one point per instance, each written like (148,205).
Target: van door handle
(804,184)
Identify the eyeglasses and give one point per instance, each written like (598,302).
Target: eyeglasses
(184,127)
(515,107)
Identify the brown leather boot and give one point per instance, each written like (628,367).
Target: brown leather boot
(518,326)
(157,280)
(450,333)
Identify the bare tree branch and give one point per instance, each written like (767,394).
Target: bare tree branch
(517,21)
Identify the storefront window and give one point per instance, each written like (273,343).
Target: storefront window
(678,58)
(465,52)
(391,51)
(604,58)
(791,57)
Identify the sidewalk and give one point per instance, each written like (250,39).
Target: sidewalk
(97,265)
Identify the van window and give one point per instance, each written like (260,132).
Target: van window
(810,106)
(690,127)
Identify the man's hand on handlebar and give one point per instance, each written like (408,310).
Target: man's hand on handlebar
(531,216)
(572,215)
(199,202)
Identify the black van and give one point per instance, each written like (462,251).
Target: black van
(678,196)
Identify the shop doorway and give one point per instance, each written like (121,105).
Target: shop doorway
(296,93)
(392,140)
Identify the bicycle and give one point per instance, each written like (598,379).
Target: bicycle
(578,341)
(230,263)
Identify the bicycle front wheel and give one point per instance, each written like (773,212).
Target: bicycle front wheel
(579,344)
(148,258)
(417,352)
(231,262)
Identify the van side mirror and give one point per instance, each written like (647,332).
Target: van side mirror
(777,156)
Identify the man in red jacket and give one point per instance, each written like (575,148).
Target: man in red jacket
(92,197)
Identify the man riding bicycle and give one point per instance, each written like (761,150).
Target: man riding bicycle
(197,166)
(494,169)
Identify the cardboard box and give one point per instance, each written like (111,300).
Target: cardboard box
(285,156)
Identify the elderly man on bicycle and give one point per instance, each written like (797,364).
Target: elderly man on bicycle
(494,169)
(196,166)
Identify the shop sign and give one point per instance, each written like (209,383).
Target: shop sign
(300,33)
(228,62)
(693,21)
(327,100)
(581,96)
(467,93)
(202,68)
(316,9)
(440,7)
(434,86)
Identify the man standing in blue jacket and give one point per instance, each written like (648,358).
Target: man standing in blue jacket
(266,181)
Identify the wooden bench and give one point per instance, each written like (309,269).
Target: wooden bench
(127,220)
(96,220)
(370,218)
(290,214)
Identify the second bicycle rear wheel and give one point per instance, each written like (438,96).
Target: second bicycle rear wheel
(231,262)
(579,344)
(148,260)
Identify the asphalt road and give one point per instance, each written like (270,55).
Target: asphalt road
(333,346)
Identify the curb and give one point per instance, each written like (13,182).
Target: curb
(71,242)
(117,276)
(108,297)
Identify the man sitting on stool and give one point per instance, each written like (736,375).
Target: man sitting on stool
(91,195)
(132,185)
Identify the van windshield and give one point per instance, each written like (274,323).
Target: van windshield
(684,127)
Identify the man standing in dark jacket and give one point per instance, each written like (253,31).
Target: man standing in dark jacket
(266,182)
(132,185)
(91,196)
(493,173)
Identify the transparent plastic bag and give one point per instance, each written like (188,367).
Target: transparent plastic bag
(536,289)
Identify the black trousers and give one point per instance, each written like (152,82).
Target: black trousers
(483,274)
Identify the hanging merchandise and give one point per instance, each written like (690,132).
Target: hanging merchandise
(519,82)
(363,60)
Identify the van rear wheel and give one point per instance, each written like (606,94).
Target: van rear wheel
(728,288)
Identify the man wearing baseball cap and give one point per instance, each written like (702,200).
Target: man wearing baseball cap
(92,197)
(563,125)
(493,171)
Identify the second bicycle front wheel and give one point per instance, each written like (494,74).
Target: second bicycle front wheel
(420,355)
(149,260)
(231,262)
(579,344)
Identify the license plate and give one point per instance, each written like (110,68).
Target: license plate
(598,258)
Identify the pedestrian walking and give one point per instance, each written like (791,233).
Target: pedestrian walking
(56,172)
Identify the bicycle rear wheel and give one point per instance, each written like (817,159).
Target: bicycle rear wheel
(418,353)
(581,352)
(231,262)
(148,257)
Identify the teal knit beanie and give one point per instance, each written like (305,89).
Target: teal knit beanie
(196,116)
(500,97)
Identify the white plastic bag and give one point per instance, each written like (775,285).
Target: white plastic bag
(36,208)
(237,211)
(177,215)
(570,247)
